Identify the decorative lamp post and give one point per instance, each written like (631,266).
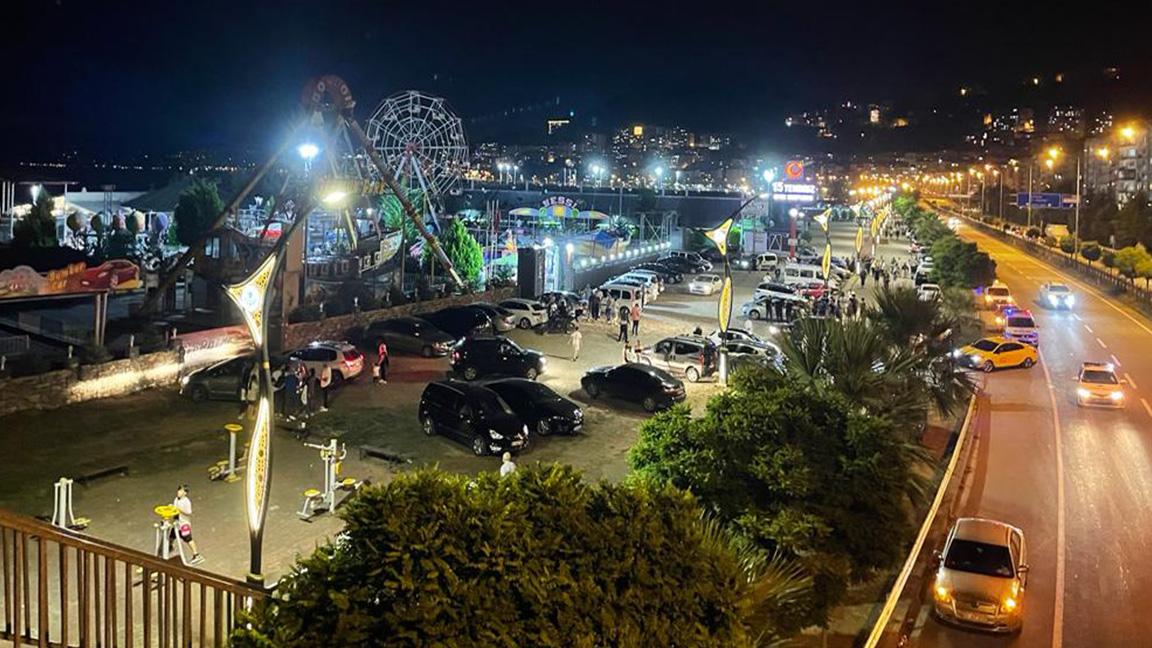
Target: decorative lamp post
(719,237)
(252,296)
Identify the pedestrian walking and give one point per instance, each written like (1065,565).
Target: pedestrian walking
(183,528)
(778,305)
(635,313)
(863,277)
(887,280)
(594,305)
(312,395)
(291,395)
(382,363)
(609,308)
(622,336)
(576,338)
(325,386)
(506,466)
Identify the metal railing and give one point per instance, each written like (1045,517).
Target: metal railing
(897,616)
(59,588)
(13,344)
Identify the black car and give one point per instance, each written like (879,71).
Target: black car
(669,274)
(682,265)
(472,415)
(409,335)
(485,356)
(540,408)
(223,380)
(460,321)
(652,388)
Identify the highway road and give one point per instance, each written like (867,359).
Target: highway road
(1078,481)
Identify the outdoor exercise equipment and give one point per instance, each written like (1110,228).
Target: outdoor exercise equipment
(62,515)
(321,501)
(166,532)
(229,469)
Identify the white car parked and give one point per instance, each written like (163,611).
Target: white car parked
(345,360)
(928,292)
(528,312)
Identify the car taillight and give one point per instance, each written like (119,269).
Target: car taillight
(455,356)
(351,356)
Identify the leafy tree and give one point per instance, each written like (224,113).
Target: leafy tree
(1134,222)
(1128,260)
(38,228)
(463,251)
(1067,244)
(961,263)
(1091,251)
(1033,233)
(795,468)
(1108,258)
(538,558)
(393,216)
(196,211)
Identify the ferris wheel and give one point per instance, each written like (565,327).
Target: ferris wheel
(421,140)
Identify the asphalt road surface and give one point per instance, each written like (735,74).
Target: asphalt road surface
(1078,481)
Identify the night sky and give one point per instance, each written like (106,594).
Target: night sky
(129,77)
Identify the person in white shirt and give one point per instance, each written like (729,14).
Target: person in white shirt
(184,522)
(507,468)
(576,339)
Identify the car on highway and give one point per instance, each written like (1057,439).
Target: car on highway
(997,296)
(473,415)
(459,321)
(1057,295)
(928,292)
(1097,385)
(409,335)
(493,355)
(691,356)
(544,411)
(344,359)
(654,389)
(528,312)
(1020,325)
(981,576)
(996,352)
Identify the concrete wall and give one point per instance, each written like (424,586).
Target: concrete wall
(88,382)
(338,328)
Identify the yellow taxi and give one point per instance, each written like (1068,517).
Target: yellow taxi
(996,352)
(1097,385)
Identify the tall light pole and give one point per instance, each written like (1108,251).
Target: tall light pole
(719,237)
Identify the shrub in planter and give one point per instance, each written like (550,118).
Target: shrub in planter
(1050,241)
(1067,244)
(1108,258)
(1033,233)
(1091,251)
(304,313)
(90,354)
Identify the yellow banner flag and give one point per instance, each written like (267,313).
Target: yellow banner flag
(826,264)
(859,238)
(725,312)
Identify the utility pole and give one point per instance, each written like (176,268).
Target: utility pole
(1030,162)
(1076,237)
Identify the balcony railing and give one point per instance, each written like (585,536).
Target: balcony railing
(59,588)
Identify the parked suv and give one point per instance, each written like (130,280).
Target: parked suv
(410,335)
(472,415)
(544,411)
(485,356)
(460,321)
(345,360)
(694,357)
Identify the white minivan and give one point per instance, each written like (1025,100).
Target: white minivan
(797,274)
(766,261)
(623,295)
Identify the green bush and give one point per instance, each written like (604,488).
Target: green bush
(1050,241)
(538,558)
(794,468)
(90,354)
(1091,251)
(1108,258)
(1067,244)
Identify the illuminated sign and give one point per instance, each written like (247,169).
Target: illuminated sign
(794,170)
(558,200)
(793,192)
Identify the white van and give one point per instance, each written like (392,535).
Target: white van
(623,295)
(797,274)
(640,283)
(650,279)
(766,261)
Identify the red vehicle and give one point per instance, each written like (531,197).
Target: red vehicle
(112,275)
(814,290)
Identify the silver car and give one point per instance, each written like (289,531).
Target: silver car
(691,356)
(982,575)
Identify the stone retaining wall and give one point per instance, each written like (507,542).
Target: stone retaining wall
(88,382)
(338,328)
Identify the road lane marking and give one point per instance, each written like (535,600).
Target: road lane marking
(1116,361)
(1102,343)
(1077,316)
(1089,328)
(1147,407)
(1058,603)
(1131,383)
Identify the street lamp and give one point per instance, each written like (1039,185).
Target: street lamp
(308,151)
(719,237)
(251,296)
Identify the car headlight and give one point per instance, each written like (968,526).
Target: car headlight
(975,358)
(184,381)
(1116,395)
(987,298)
(1083,393)
(524,429)
(1053,299)
(543,361)
(943,594)
(956,353)
(495,435)
(1010,604)
(999,320)
(1070,299)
